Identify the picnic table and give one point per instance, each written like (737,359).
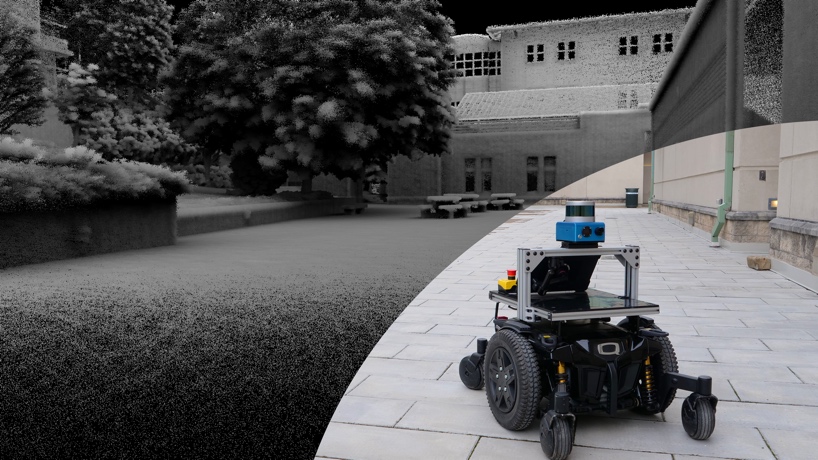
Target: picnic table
(505,201)
(472,201)
(442,206)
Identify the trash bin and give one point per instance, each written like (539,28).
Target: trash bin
(631,197)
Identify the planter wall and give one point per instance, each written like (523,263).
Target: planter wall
(193,221)
(30,238)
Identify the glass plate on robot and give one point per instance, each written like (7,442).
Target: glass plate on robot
(591,304)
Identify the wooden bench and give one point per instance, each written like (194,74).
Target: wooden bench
(357,208)
(452,210)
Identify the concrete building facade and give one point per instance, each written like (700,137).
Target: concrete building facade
(735,119)
(542,105)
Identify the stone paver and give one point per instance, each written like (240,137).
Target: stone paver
(754,332)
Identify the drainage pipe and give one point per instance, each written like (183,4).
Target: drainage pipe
(652,181)
(734,56)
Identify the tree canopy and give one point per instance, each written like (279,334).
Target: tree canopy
(131,42)
(328,86)
(22,96)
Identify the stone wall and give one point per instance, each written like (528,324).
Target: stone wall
(36,237)
(739,227)
(794,242)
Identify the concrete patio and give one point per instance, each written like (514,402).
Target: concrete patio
(753,331)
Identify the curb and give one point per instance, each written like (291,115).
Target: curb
(194,221)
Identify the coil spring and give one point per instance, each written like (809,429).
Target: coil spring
(649,386)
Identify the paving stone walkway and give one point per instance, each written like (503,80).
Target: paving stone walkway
(754,332)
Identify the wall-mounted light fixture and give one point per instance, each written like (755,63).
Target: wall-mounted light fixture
(772,204)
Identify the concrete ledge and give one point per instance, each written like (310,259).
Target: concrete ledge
(745,231)
(217,218)
(803,227)
(30,238)
(795,274)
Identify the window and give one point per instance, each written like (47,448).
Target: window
(478,169)
(550,169)
(626,44)
(532,169)
(539,55)
(470,169)
(561,49)
(622,103)
(625,102)
(485,166)
(662,42)
(477,64)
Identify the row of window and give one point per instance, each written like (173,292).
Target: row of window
(627,46)
(563,50)
(476,64)
(488,62)
(661,43)
(481,171)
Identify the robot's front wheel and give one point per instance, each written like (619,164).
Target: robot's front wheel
(556,437)
(471,374)
(698,416)
(512,378)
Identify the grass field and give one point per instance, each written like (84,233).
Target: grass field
(231,345)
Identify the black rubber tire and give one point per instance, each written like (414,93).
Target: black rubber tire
(512,378)
(662,363)
(698,417)
(470,375)
(558,440)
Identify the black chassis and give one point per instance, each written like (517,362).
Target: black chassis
(597,354)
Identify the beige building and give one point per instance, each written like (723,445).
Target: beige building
(735,129)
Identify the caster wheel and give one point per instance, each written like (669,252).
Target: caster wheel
(512,380)
(470,374)
(556,440)
(698,416)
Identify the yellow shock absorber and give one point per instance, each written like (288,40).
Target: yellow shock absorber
(648,374)
(650,388)
(561,371)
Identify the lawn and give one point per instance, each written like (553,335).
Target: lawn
(234,344)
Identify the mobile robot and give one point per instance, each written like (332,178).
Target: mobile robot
(562,356)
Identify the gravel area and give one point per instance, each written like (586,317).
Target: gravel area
(235,344)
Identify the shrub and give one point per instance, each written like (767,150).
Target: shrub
(100,121)
(249,177)
(219,175)
(36,179)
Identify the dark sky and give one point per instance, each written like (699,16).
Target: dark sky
(472,17)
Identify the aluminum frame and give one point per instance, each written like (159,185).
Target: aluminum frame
(529,258)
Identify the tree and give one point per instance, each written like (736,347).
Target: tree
(130,41)
(349,84)
(328,86)
(100,121)
(23,96)
(210,93)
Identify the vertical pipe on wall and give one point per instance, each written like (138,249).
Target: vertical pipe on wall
(652,179)
(732,97)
